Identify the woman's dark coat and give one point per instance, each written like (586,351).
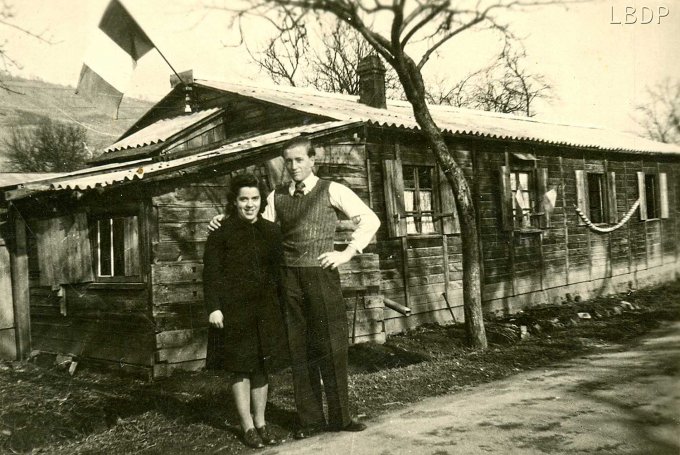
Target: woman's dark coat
(241,277)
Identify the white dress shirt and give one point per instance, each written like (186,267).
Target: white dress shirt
(343,199)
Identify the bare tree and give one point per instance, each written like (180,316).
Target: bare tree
(430,25)
(659,116)
(7,21)
(286,53)
(48,147)
(330,66)
(505,86)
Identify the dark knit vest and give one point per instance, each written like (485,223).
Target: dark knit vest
(307,224)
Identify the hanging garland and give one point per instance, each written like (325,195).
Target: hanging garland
(623,221)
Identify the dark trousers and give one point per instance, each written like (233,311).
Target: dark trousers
(317,337)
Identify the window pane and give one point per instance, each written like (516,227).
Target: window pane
(522,200)
(409,201)
(118,248)
(131,246)
(523,180)
(104,240)
(427,225)
(595,198)
(651,195)
(425,177)
(411,225)
(425,201)
(409,176)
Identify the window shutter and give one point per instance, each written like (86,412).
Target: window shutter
(543,202)
(663,194)
(581,194)
(506,199)
(642,194)
(131,246)
(64,253)
(394,198)
(450,224)
(611,198)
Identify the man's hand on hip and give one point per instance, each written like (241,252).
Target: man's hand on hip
(216,319)
(334,259)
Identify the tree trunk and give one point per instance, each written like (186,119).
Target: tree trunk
(472,277)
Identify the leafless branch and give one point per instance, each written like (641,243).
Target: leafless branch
(659,116)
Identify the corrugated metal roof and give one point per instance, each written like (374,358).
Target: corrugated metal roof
(102,176)
(8,179)
(450,119)
(160,130)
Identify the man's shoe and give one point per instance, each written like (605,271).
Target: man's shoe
(305,432)
(267,437)
(252,439)
(353,426)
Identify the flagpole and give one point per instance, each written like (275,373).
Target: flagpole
(166,61)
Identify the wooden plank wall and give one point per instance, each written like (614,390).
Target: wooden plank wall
(107,325)
(563,261)
(345,163)
(568,255)
(178,241)
(8,342)
(424,255)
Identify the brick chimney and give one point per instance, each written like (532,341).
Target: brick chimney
(371,73)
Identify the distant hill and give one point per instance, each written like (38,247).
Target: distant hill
(37,99)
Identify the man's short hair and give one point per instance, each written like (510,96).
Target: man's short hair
(300,141)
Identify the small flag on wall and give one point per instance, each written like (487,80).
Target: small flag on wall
(107,69)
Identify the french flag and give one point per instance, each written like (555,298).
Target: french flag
(112,56)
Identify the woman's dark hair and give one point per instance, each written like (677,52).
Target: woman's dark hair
(246,180)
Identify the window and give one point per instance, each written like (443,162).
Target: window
(117,254)
(523,198)
(653,193)
(596,196)
(418,200)
(595,199)
(526,202)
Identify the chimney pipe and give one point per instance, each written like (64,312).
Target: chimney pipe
(371,73)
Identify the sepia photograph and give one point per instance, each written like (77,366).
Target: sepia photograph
(352,227)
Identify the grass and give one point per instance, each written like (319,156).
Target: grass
(45,410)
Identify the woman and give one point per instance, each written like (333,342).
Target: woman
(241,281)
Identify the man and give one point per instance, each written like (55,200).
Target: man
(315,311)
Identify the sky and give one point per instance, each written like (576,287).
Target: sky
(598,65)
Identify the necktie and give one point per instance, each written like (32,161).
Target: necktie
(299,189)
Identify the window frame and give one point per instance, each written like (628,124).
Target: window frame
(418,214)
(96,216)
(607,196)
(539,214)
(659,189)
(531,191)
(602,196)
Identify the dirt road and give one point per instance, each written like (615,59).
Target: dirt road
(616,401)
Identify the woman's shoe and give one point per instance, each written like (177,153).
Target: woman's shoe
(267,437)
(252,439)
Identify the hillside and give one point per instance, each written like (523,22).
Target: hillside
(37,99)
